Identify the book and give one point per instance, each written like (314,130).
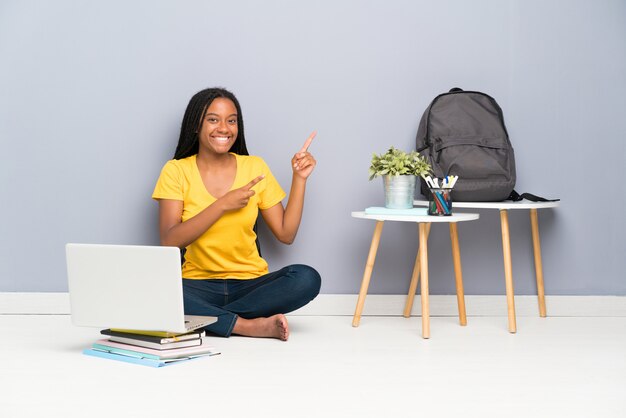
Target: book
(153,338)
(153,333)
(374,210)
(135,360)
(156,346)
(143,352)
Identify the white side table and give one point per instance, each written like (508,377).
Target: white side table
(421,261)
(504,207)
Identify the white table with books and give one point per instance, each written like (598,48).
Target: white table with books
(504,208)
(424,221)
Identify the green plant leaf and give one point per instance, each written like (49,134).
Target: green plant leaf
(397,162)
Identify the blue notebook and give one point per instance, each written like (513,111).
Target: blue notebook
(136,360)
(386,211)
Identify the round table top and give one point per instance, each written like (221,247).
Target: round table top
(455,217)
(522,204)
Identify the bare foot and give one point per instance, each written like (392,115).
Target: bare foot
(273,327)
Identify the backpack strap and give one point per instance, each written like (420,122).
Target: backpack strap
(516,197)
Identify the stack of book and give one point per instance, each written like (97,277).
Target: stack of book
(151,348)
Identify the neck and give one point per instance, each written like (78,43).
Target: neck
(207,159)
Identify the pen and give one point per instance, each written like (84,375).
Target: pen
(443,202)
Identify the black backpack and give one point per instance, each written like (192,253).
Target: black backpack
(462,133)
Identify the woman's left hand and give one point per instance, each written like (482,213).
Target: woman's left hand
(303,162)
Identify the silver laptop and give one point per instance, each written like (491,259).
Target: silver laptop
(128,287)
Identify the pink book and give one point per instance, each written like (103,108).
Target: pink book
(172,353)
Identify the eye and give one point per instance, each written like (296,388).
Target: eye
(232,121)
(211,120)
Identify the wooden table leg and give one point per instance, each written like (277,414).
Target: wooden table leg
(369,266)
(508,269)
(534,223)
(424,272)
(414,279)
(458,274)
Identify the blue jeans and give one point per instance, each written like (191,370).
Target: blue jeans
(281,291)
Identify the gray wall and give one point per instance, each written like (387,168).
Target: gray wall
(92,95)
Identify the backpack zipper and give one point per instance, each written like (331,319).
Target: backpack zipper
(438,152)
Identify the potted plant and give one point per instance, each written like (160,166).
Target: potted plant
(399,170)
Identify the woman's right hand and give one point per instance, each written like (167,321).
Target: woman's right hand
(238,198)
(176,233)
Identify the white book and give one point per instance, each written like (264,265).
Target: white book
(156,346)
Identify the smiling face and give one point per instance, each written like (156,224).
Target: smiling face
(219,127)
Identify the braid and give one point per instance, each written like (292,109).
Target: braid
(192,122)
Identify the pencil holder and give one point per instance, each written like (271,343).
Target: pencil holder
(439,202)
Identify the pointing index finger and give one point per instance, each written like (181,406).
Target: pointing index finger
(253,182)
(308,141)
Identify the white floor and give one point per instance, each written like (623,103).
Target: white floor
(552,367)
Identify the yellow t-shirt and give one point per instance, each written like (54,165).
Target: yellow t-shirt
(227,249)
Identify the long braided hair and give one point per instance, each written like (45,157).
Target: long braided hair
(194,116)
(192,122)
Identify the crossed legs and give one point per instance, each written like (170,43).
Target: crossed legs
(253,307)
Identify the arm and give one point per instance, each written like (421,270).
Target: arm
(284,223)
(176,233)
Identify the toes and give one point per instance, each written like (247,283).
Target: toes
(283,327)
